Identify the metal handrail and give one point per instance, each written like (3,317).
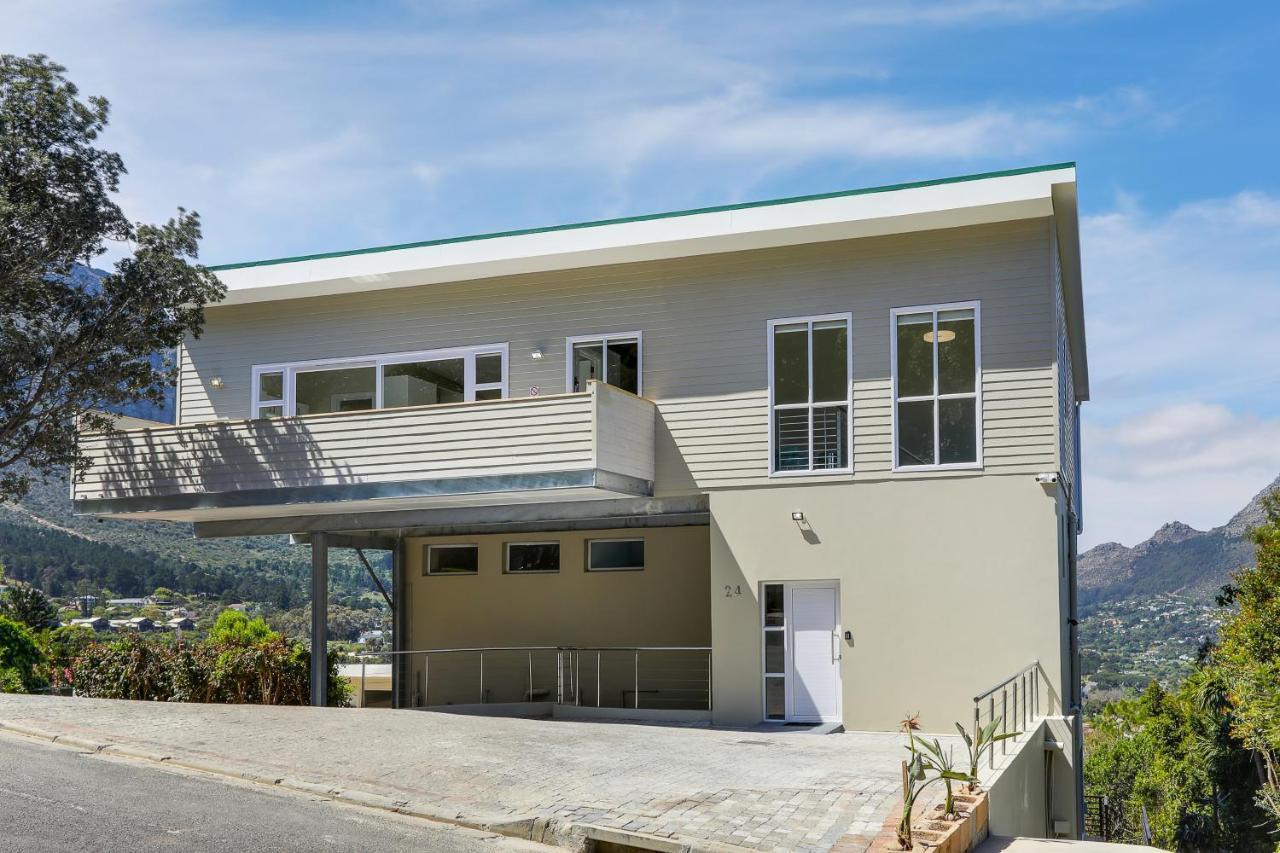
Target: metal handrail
(1035,664)
(1026,682)
(568,687)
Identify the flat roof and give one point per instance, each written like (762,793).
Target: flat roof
(1025,193)
(1026,170)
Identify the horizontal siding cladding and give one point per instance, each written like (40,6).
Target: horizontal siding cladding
(704,324)
(1065,375)
(624,438)
(477,439)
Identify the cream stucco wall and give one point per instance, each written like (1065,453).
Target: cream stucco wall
(948,586)
(665,604)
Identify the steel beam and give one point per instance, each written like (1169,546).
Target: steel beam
(542,515)
(329,494)
(399,627)
(319,619)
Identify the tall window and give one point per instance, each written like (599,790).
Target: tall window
(614,359)
(773,615)
(937,386)
(380,382)
(810,363)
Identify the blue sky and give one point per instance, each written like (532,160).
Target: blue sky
(301,127)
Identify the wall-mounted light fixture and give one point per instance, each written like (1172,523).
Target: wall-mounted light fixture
(797,516)
(536,354)
(216,383)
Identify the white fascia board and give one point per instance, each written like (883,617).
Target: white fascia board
(947,205)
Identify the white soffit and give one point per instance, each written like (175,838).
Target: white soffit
(998,197)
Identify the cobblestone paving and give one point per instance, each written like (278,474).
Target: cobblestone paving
(701,786)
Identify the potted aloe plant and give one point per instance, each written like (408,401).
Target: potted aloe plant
(983,741)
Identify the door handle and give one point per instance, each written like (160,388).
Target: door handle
(837,654)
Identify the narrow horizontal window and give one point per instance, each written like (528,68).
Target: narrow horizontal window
(533,557)
(612,359)
(936,384)
(452,559)
(810,394)
(615,555)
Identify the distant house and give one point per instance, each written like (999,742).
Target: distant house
(181,623)
(97,623)
(85,603)
(141,624)
(126,602)
(375,634)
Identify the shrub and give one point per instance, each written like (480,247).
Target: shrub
(61,647)
(271,672)
(19,657)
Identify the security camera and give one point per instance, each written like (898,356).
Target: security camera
(1046,479)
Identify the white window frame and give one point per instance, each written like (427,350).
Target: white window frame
(603,340)
(765,674)
(426,569)
(639,568)
(506,558)
(847,317)
(291,369)
(975,394)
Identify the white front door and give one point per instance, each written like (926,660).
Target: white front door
(802,651)
(815,652)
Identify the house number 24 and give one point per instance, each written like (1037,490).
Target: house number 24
(730,590)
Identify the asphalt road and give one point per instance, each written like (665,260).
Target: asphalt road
(55,798)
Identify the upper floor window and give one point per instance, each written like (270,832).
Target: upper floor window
(810,393)
(937,386)
(380,382)
(613,358)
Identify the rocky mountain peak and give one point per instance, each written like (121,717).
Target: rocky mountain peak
(1172,533)
(1252,515)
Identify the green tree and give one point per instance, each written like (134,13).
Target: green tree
(1248,657)
(19,658)
(233,628)
(28,605)
(68,347)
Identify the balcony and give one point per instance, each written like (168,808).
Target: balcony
(597,444)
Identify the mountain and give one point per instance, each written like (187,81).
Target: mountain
(1176,559)
(43,542)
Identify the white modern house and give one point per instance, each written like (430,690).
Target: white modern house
(807,460)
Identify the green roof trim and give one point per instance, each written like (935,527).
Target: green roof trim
(1027,170)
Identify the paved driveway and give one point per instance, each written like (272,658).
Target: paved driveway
(698,786)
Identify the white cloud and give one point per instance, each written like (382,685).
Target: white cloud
(1182,312)
(315,134)
(1196,463)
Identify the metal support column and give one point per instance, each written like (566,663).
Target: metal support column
(399,628)
(319,619)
